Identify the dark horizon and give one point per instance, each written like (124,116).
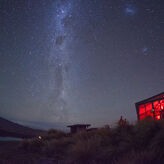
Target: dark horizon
(79,61)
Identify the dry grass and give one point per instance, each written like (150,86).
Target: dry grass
(133,144)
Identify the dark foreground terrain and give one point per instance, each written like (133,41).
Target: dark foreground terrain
(10,153)
(142,143)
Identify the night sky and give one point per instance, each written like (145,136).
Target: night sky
(79,61)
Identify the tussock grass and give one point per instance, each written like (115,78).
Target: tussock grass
(141,143)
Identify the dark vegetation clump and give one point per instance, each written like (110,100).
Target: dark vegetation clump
(142,143)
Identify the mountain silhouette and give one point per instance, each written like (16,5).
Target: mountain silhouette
(11,129)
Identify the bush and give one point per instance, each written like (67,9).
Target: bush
(54,134)
(34,145)
(57,148)
(157,145)
(133,144)
(85,150)
(144,157)
(145,131)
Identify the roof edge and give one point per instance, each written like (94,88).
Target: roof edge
(78,125)
(146,100)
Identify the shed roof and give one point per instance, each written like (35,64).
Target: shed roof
(79,125)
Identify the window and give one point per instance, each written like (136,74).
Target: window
(155,103)
(141,109)
(142,116)
(149,109)
(162,104)
(142,113)
(157,117)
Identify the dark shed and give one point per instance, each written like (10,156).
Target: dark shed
(78,127)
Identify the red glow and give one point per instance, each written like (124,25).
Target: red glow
(142,116)
(158,117)
(152,109)
(155,104)
(149,107)
(162,104)
(149,114)
(157,108)
(141,109)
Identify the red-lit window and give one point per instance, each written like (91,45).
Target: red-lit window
(155,103)
(162,101)
(141,109)
(152,109)
(157,107)
(149,107)
(142,116)
(149,114)
(157,117)
(162,104)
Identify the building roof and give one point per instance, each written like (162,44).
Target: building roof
(153,98)
(79,125)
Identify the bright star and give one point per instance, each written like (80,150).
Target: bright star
(62,11)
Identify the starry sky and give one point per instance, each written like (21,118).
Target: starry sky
(79,61)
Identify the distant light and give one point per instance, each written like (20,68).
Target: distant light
(40,137)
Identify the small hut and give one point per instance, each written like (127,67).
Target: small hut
(78,127)
(152,107)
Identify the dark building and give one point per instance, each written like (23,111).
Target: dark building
(91,129)
(78,127)
(151,107)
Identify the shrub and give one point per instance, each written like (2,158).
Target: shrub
(145,131)
(157,145)
(85,151)
(34,145)
(57,148)
(54,134)
(133,144)
(144,157)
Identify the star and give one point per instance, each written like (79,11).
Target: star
(130,10)
(144,50)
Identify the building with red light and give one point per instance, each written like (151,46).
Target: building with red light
(151,107)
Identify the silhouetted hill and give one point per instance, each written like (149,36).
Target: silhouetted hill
(11,129)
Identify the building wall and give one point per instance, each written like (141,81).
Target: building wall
(77,129)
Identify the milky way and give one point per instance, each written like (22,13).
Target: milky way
(58,60)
